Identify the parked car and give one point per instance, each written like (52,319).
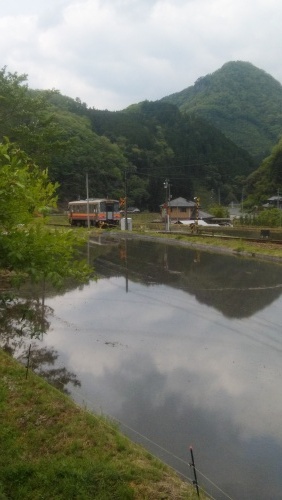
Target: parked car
(132,210)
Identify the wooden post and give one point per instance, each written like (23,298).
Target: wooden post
(27,364)
(195,482)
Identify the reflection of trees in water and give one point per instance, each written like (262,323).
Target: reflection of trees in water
(237,287)
(41,360)
(23,319)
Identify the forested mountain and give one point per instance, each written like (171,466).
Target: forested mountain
(146,144)
(59,139)
(142,145)
(242,101)
(161,142)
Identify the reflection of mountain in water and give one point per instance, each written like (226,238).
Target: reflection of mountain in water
(238,287)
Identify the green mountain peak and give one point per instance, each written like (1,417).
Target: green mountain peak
(242,101)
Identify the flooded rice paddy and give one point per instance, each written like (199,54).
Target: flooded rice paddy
(183,348)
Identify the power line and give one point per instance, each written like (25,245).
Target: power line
(149,440)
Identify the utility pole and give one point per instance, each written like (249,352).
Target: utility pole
(279,205)
(197,201)
(125,200)
(167,201)
(87,198)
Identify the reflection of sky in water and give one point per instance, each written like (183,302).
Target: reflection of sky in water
(180,372)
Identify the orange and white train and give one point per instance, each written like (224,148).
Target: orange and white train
(98,211)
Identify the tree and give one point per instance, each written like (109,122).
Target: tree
(28,119)
(267,179)
(137,191)
(270,217)
(13,97)
(24,189)
(27,247)
(85,152)
(219,211)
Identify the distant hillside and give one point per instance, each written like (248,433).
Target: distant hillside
(161,142)
(266,181)
(242,101)
(139,148)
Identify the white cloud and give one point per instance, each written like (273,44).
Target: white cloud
(203,359)
(112,53)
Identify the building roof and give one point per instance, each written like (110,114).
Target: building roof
(181,202)
(275,198)
(205,215)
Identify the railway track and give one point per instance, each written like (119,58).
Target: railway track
(263,240)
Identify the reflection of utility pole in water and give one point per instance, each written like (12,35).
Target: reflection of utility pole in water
(165,260)
(43,308)
(88,243)
(123,256)
(167,265)
(197,257)
(126,268)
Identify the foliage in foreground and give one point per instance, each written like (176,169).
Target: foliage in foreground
(52,449)
(27,247)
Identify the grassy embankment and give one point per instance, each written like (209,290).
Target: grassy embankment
(211,238)
(51,449)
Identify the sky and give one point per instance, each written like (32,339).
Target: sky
(113,53)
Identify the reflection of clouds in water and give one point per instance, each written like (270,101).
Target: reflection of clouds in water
(214,364)
(181,372)
(170,409)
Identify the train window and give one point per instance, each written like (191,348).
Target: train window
(103,206)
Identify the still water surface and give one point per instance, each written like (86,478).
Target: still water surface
(185,348)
